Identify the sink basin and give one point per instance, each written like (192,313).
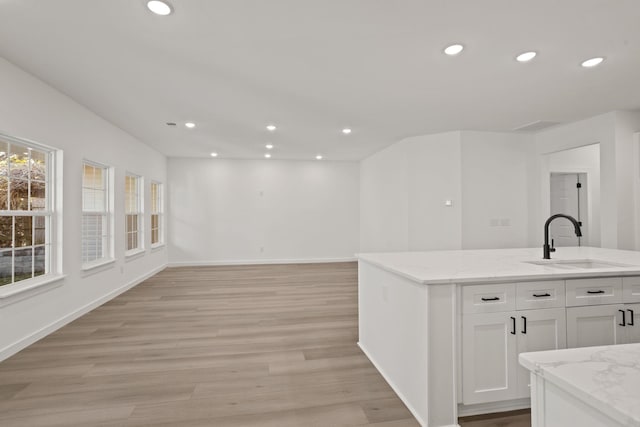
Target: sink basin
(579,264)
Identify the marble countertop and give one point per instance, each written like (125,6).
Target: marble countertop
(493,265)
(607,378)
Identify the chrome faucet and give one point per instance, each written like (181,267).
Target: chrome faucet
(546,249)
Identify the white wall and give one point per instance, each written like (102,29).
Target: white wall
(33,110)
(404,189)
(614,132)
(434,171)
(384,200)
(494,190)
(236,211)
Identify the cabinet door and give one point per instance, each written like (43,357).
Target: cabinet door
(489,357)
(539,330)
(595,325)
(632,320)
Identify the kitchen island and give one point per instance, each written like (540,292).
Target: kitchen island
(445,327)
(586,387)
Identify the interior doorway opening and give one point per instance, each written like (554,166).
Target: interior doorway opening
(569,196)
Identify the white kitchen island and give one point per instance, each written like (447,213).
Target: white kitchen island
(445,328)
(586,387)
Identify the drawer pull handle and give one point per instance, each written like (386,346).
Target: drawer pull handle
(624,323)
(600,291)
(524,324)
(631,320)
(542,295)
(513,325)
(491,299)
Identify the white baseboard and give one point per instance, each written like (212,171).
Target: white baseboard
(417,416)
(15,347)
(260,262)
(493,407)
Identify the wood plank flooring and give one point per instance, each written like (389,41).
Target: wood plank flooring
(269,346)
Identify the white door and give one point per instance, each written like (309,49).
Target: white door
(539,330)
(632,321)
(489,357)
(569,197)
(595,325)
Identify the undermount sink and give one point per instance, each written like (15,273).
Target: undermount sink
(578,264)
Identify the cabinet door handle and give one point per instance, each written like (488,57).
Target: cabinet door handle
(524,325)
(630,317)
(513,325)
(490,299)
(600,291)
(542,295)
(624,322)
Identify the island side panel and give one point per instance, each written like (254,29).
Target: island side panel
(393,329)
(443,361)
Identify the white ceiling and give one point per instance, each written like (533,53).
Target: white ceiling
(314,67)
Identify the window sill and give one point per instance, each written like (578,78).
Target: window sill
(133,254)
(157,246)
(97,266)
(30,287)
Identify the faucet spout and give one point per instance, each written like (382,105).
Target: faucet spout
(546,249)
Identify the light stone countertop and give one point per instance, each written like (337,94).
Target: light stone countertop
(606,378)
(500,265)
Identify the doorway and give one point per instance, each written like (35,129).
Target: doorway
(569,196)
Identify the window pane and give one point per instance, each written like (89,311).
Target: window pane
(38,195)
(92,237)
(39,235)
(6,260)
(38,165)
(23,264)
(4,193)
(39,260)
(23,232)
(6,232)
(154,197)
(18,193)
(4,159)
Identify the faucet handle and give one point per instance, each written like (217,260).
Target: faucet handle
(552,248)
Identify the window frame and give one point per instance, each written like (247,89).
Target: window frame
(52,220)
(108,252)
(159,212)
(139,212)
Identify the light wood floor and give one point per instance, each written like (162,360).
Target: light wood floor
(270,346)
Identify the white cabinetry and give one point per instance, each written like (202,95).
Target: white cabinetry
(594,325)
(492,340)
(598,323)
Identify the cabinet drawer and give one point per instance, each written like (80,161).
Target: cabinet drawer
(594,291)
(532,295)
(631,289)
(488,298)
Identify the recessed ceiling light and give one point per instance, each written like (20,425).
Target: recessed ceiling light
(318,157)
(526,57)
(454,49)
(267,155)
(346,131)
(271,128)
(214,154)
(592,62)
(190,125)
(159,7)
(269,146)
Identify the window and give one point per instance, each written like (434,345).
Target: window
(157,237)
(25,210)
(96,215)
(133,213)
